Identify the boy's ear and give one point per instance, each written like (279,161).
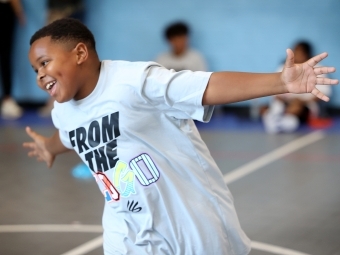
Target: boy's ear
(81,53)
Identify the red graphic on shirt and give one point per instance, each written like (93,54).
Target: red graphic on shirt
(110,192)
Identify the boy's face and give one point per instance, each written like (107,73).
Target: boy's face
(300,55)
(56,68)
(179,44)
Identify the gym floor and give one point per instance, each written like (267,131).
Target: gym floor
(286,190)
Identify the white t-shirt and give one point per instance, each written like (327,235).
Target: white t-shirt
(164,193)
(190,60)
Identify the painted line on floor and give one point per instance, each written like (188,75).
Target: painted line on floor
(270,157)
(51,228)
(86,247)
(98,241)
(274,249)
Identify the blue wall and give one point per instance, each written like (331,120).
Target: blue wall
(243,35)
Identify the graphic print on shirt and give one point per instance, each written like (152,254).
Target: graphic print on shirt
(123,176)
(96,144)
(133,206)
(110,193)
(142,165)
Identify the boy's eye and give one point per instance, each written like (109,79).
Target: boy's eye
(44,63)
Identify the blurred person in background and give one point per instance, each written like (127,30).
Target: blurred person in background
(58,9)
(9,11)
(181,56)
(287,112)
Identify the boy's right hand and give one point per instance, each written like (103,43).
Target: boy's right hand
(38,147)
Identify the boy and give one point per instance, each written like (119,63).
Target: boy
(181,56)
(131,123)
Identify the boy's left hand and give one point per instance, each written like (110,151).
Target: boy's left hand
(38,148)
(302,78)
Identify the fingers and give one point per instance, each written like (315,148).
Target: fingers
(31,133)
(326,81)
(29,145)
(40,158)
(314,60)
(48,163)
(32,146)
(35,149)
(32,154)
(320,95)
(289,59)
(323,70)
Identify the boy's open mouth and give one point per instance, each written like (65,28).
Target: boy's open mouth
(50,85)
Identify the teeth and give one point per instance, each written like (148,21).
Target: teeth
(50,84)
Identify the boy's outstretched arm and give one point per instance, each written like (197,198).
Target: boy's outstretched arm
(229,87)
(44,148)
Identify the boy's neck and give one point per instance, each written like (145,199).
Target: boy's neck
(91,79)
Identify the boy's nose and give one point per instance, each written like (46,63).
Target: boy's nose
(40,76)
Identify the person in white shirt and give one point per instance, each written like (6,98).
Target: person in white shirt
(132,124)
(180,56)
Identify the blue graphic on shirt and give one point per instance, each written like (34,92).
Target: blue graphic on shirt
(124,179)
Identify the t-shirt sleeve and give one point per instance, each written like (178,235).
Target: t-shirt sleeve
(63,135)
(177,94)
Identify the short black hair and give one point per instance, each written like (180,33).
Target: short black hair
(176,29)
(306,47)
(66,30)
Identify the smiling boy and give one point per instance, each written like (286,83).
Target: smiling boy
(132,124)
